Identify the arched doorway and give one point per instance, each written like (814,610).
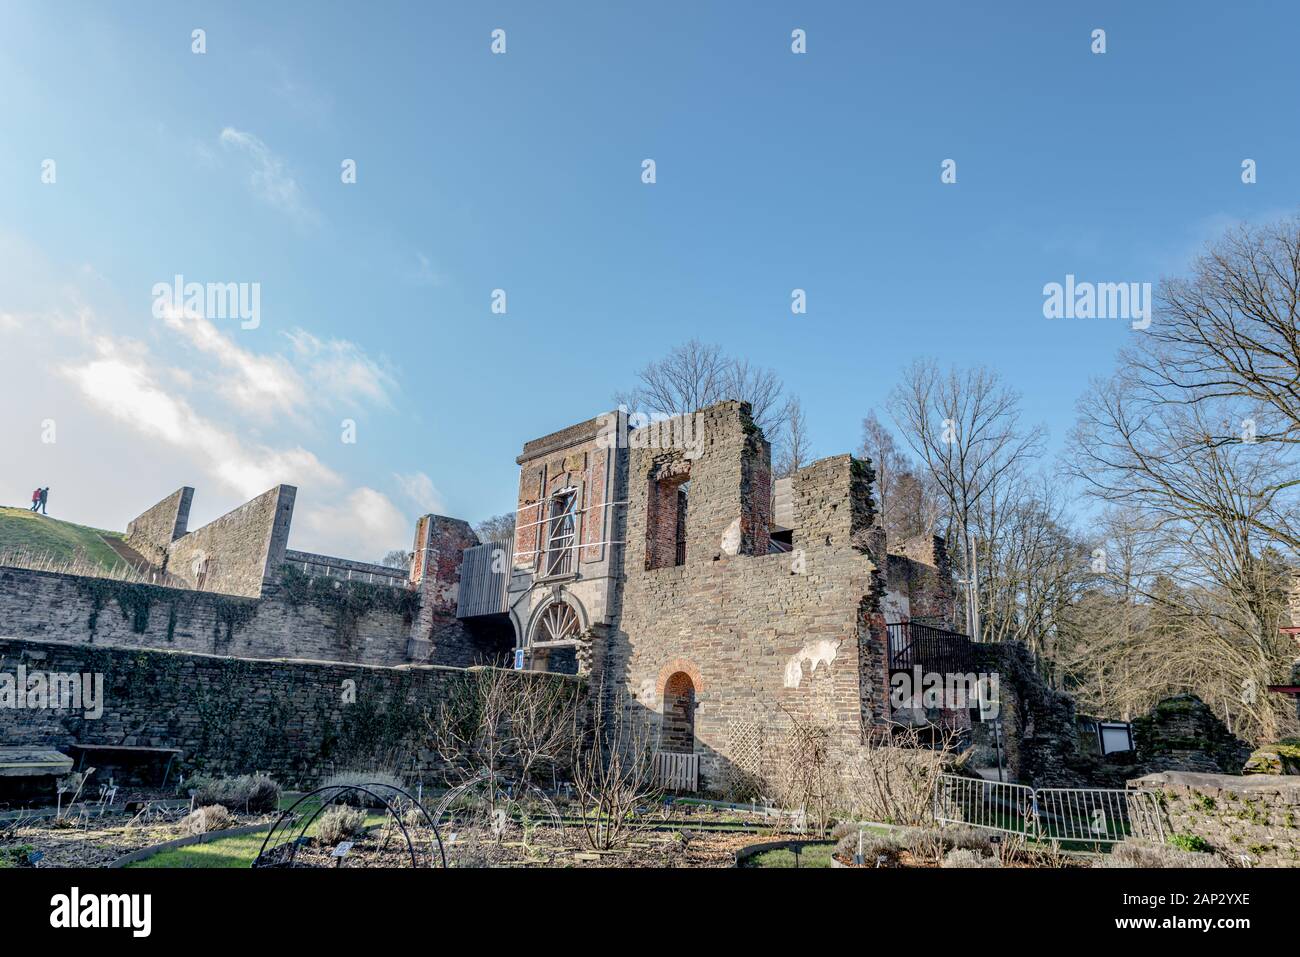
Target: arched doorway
(677,733)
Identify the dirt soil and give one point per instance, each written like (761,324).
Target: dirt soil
(95,841)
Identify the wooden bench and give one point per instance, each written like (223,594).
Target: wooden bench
(125,756)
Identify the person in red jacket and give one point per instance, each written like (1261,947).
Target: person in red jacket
(36,499)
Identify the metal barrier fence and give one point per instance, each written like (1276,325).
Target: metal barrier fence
(1087,815)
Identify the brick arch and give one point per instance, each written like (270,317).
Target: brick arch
(684,665)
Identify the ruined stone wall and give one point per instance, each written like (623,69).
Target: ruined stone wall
(1252,820)
(438,636)
(1182,733)
(1040,737)
(754,632)
(319,618)
(292,720)
(152,533)
(238,552)
(925,571)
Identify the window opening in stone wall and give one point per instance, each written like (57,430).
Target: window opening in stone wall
(666,522)
(561,532)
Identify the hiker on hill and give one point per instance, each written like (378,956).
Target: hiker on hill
(36,499)
(45,494)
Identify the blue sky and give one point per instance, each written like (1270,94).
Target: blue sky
(522,171)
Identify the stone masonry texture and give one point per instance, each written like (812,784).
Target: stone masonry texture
(292,720)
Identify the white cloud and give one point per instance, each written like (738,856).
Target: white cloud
(260,383)
(419,488)
(364,525)
(270,176)
(119,384)
(135,421)
(341,370)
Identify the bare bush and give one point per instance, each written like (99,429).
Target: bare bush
(613,769)
(214,817)
(383,785)
(892,778)
(1129,854)
(249,793)
(961,857)
(338,823)
(804,773)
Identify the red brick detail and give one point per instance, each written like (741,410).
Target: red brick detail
(684,665)
(664,521)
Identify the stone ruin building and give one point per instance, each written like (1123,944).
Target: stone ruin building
(663,563)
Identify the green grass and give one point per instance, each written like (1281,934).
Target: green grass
(813,855)
(237,851)
(21,529)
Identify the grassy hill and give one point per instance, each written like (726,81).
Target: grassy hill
(25,531)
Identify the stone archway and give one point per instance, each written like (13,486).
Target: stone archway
(677,729)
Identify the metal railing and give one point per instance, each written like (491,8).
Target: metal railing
(677,772)
(932,649)
(994,805)
(1087,815)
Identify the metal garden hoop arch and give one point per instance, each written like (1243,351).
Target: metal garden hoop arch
(284,852)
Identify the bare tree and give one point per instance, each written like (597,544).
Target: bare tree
(795,449)
(496,528)
(397,558)
(965,426)
(908,499)
(1213,507)
(695,374)
(613,767)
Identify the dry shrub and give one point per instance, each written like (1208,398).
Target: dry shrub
(892,777)
(247,793)
(1129,854)
(214,817)
(338,823)
(961,857)
(925,845)
(384,787)
(878,850)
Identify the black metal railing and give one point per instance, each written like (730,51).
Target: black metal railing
(932,649)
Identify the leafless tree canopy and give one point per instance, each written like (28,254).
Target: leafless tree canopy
(496,528)
(795,451)
(1193,442)
(697,374)
(397,558)
(908,498)
(965,426)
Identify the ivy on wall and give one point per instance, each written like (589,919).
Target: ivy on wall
(136,601)
(350,600)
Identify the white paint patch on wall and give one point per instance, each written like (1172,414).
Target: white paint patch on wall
(731,539)
(816,653)
(646,694)
(896,606)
